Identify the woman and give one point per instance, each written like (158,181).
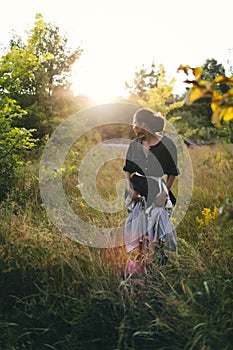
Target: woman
(150,156)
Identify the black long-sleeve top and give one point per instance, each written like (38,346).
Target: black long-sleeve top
(161,159)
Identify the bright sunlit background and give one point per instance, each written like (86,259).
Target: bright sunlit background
(118,37)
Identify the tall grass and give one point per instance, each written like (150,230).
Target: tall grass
(58,294)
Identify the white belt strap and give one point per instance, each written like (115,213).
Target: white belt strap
(162,185)
(160,181)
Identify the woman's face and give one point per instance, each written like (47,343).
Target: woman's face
(138,128)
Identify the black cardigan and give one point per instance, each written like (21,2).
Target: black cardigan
(161,159)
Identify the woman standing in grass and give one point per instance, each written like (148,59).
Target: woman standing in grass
(149,199)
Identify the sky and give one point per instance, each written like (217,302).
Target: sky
(119,36)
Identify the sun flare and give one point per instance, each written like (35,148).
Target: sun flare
(101,96)
(99,82)
(100,92)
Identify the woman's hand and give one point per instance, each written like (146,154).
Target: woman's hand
(161,199)
(133,194)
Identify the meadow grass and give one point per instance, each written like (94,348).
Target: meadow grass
(56,293)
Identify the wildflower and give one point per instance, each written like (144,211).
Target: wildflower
(82,205)
(200,222)
(174,220)
(218,156)
(133,267)
(208,216)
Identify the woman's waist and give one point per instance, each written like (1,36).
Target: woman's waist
(147,184)
(156,177)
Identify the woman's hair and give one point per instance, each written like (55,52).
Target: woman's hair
(155,123)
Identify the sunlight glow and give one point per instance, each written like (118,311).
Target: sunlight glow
(117,40)
(99,91)
(100,81)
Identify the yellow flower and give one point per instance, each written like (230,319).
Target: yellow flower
(200,222)
(82,205)
(208,215)
(174,220)
(206,211)
(215,212)
(218,156)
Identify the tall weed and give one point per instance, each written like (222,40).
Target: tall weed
(58,294)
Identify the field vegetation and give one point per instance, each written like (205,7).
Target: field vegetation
(58,294)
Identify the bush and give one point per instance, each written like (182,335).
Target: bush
(14,145)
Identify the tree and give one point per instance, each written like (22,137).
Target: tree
(155,93)
(31,73)
(221,103)
(56,59)
(144,79)
(14,144)
(159,97)
(212,69)
(198,112)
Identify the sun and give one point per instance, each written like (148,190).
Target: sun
(98,91)
(101,96)
(101,84)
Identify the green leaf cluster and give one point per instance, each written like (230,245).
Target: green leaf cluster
(14,144)
(36,75)
(151,89)
(210,83)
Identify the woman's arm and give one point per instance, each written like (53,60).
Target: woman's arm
(170,180)
(127,179)
(162,197)
(133,194)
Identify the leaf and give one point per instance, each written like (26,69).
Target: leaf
(229,94)
(206,288)
(199,83)
(219,79)
(228,114)
(204,83)
(223,80)
(215,118)
(216,103)
(197,93)
(194,82)
(220,114)
(214,106)
(184,68)
(197,72)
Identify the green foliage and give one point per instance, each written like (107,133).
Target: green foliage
(211,69)
(160,98)
(54,56)
(197,114)
(32,72)
(57,294)
(157,94)
(14,143)
(217,92)
(18,69)
(144,80)
(195,121)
